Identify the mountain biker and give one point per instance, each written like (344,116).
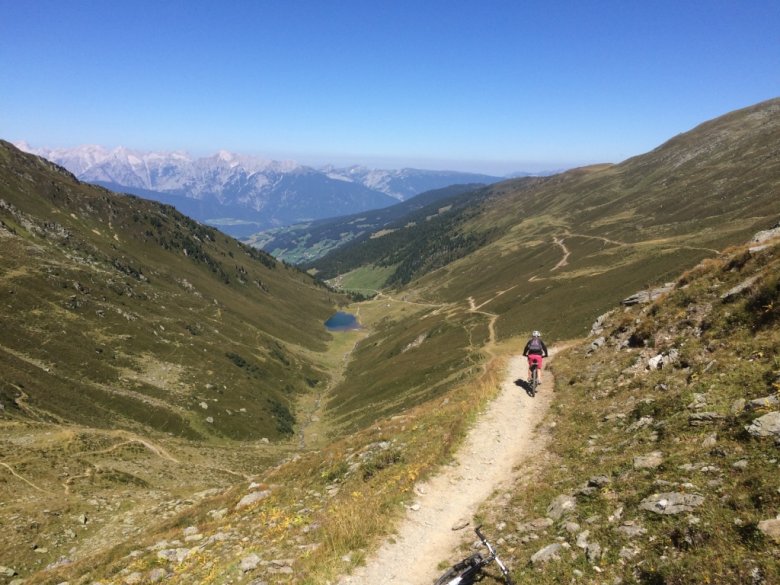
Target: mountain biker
(535,350)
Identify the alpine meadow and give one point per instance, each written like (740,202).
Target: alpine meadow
(174,410)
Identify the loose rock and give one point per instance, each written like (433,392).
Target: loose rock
(765,426)
(549,553)
(671,503)
(560,506)
(771,528)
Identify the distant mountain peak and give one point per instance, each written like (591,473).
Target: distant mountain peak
(244,188)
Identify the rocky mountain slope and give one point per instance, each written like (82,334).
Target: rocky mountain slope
(663,463)
(244,194)
(668,473)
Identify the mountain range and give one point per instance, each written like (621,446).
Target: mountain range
(243,195)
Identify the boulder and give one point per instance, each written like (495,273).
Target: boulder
(765,426)
(631,529)
(593,552)
(671,503)
(699,419)
(647,296)
(560,506)
(252,498)
(734,292)
(551,552)
(649,461)
(250,562)
(766,235)
(771,401)
(771,528)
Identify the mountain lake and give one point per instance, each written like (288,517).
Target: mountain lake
(342,322)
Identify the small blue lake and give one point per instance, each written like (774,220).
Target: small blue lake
(342,322)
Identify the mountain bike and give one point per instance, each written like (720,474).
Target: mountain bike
(466,571)
(533,381)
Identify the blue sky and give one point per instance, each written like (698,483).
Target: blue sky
(488,86)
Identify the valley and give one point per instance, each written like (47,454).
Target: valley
(173,408)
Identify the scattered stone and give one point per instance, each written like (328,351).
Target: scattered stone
(7,571)
(252,498)
(741,464)
(82,519)
(593,552)
(628,553)
(699,419)
(571,527)
(616,515)
(765,235)
(655,363)
(649,461)
(631,529)
(699,401)
(765,426)
(174,555)
(771,401)
(415,507)
(647,296)
(210,419)
(551,552)
(733,293)
(204,406)
(738,406)
(582,539)
(157,575)
(597,343)
(560,506)
(710,441)
(218,514)
(643,422)
(134,578)
(771,528)
(598,324)
(599,481)
(671,503)
(280,566)
(535,525)
(460,524)
(250,563)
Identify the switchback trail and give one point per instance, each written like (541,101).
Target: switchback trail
(502,439)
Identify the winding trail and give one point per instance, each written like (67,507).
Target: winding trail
(565,260)
(502,439)
(25,480)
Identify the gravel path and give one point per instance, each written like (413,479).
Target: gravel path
(500,441)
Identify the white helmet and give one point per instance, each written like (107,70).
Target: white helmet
(536,334)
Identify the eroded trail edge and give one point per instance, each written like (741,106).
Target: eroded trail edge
(501,441)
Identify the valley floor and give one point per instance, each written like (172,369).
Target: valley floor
(441,516)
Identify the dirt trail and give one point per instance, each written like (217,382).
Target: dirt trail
(502,439)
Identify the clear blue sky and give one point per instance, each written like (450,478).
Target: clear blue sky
(471,85)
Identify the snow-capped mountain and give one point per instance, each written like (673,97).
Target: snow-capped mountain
(244,194)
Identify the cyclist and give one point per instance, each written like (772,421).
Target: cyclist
(535,350)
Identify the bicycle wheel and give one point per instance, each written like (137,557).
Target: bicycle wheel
(463,573)
(534,379)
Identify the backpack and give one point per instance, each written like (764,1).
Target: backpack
(535,344)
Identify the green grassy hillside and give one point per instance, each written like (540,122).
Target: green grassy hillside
(565,247)
(303,244)
(120,312)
